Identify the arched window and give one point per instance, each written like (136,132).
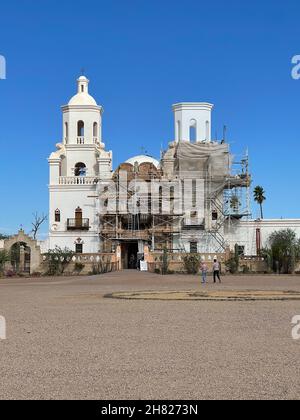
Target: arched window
(66,132)
(172,197)
(207,130)
(57,215)
(160,198)
(79,246)
(178,128)
(80,169)
(95,130)
(80,129)
(193,131)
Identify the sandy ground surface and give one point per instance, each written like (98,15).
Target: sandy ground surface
(65,341)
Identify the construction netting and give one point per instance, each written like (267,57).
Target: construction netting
(206,159)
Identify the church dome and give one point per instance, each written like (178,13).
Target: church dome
(82,97)
(143,159)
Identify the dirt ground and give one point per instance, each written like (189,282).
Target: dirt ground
(66,341)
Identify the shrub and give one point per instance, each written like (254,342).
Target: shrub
(284,250)
(231,265)
(245,269)
(236,256)
(36,274)
(10,273)
(4,258)
(79,267)
(165,262)
(58,259)
(191,263)
(101,268)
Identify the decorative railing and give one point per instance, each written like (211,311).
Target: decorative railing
(78,224)
(93,263)
(95,140)
(80,140)
(78,180)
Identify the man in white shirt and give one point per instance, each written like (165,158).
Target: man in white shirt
(216,271)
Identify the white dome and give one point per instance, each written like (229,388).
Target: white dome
(143,159)
(82,97)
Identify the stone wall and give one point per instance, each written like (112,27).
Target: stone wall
(86,264)
(176,263)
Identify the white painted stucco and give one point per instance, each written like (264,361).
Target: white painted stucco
(190,114)
(68,191)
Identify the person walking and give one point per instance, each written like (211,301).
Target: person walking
(216,270)
(203,269)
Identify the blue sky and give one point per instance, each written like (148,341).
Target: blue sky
(141,57)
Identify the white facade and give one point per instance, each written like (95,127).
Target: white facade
(79,161)
(244,232)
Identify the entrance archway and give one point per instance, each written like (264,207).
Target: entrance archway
(129,252)
(20,257)
(25,259)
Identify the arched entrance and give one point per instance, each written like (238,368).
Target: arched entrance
(20,257)
(25,253)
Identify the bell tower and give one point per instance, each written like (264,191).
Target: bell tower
(75,169)
(193,121)
(82,117)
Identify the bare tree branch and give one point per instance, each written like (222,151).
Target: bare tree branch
(37,222)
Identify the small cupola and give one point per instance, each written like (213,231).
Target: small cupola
(82,96)
(83,84)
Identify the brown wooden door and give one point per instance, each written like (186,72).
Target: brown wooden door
(78,217)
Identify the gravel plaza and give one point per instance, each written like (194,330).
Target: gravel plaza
(66,340)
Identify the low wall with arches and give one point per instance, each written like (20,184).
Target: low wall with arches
(87,264)
(176,261)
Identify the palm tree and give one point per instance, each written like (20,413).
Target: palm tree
(259,197)
(235,204)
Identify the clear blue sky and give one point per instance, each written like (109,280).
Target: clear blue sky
(141,57)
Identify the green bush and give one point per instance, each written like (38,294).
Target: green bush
(284,251)
(165,262)
(4,258)
(191,263)
(246,269)
(57,260)
(79,267)
(231,265)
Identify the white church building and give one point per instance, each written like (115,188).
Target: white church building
(81,161)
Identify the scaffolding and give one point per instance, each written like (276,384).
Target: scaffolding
(227,186)
(140,224)
(226,200)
